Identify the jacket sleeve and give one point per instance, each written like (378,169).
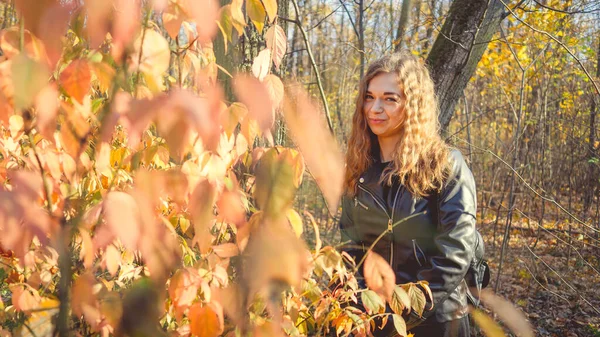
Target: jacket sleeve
(455,235)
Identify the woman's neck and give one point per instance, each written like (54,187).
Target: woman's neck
(387,146)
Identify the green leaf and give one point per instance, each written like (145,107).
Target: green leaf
(29,78)
(277,180)
(400,300)
(372,302)
(399,324)
(417,298)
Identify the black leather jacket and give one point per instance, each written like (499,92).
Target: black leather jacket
(435,246)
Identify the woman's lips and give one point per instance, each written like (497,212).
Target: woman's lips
(376,121)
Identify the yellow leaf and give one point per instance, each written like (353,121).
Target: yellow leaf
(271,9)
(489,327)
(256,12)
(295,221)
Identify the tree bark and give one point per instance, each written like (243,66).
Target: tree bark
(402,24)
(464,37)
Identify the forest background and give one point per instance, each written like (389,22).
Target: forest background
(145,177)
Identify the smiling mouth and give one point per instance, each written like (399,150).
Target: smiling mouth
(373,120)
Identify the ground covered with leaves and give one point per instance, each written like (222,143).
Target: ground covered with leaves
(558,294)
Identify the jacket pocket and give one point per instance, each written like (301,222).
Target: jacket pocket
(418,253)
(360,203)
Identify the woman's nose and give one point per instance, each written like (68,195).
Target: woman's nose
(377,106)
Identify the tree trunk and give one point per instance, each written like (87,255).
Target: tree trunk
(464,37)
(361,35)
(404,17)
(592,157)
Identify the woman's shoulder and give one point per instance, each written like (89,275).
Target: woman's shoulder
(458,170)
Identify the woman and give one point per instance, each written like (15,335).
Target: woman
(397,165)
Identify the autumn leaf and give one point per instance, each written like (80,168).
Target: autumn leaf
(255,96)
(29,78)
(399,324)
(400,301)
(278,176)
(204,321)
(261,64)
(256,12)
(24,297)
(379,275)
(276,43)
(275,89)
(152,55)
(508,313)
(10,41)
(112,259)
(121,213)
(271,9)
(274,254)
(417,298)
(226,250)
(46,106)
(372,302)
(295,221)
(172,19)
(127,21)
(183,287)
(489,327)
(231,208)
(318,146)
(76,79)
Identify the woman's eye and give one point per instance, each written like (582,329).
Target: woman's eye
(368,97)
(390,99)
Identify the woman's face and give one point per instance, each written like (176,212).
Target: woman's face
(384,105)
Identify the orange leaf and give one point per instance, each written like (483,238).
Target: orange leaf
(24,297)
(46,106)
(255,96)
(226,250)
(231,208)
(121,213)
(126,22)
(317,144)
(10,40)
(112,259)
(204,321)
(206,14)
(183,287)
(76,79)
(379,275)
(172,20)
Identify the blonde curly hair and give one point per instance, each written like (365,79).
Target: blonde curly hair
(420,160)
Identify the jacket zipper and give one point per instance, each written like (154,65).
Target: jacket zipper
(390,226)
